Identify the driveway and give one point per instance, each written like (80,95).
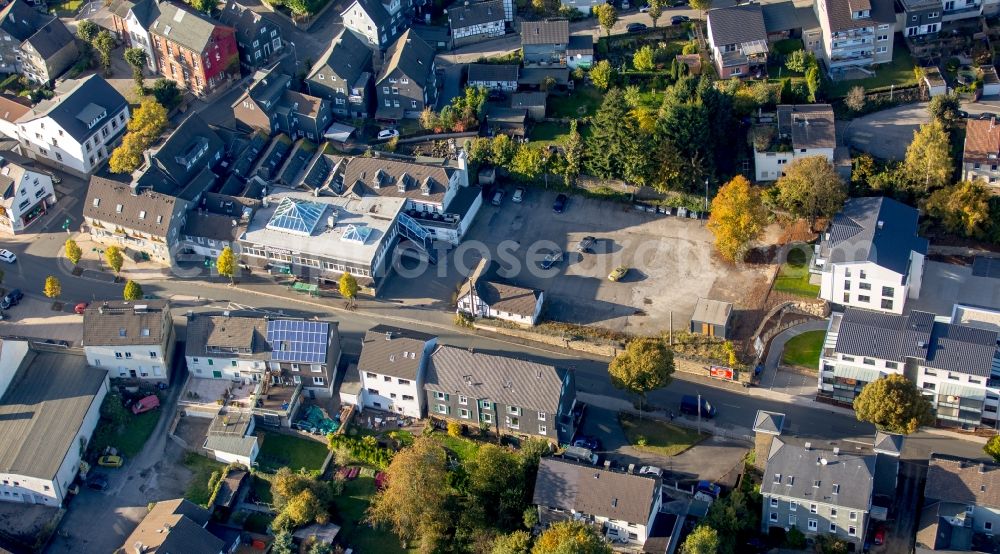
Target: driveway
(789,382)
(887,133)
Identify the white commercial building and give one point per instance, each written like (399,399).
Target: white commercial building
(133,340)
(800,131)
(392,367)
(26,193)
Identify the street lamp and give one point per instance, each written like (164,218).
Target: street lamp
(706,196)
(295,56)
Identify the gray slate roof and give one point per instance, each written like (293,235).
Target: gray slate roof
(411,56)
(798,472)
(887,443)
(501,379)
(184,26)
(145,11)
(485,72)
(42,411)
(183,143)
(528,99)
(51,38)
(713,312)
(21,20)
(770,423)
(385,356)
(247,21)
(77,102)
(839,14)
(961,480)
(347,57)
(737,24)
(779,16)
(175,526)
(854,234)
(460,16)
(592,491)
(104,196)
(228,433)
(118,322)
(360,174)
(580,44)
(375,10)
(221,331)
(808,125)
(545,32)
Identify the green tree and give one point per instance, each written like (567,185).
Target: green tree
(166,93)
(283,543)
(602,73)
(133,291)
(737,219)
(87,30)
(574,155)
(527,163)
(811,188)
(73,251)
(855,99)
(225,264)
(299,7)
(113,255)
(348,287)
(479,150)
(644,59)
(701,5)
(655,10)
(688,125)
(53,288)
(496,485)
(894,404)
(104,43)
(137,59)
(992,447)
(614,145)
(567,537)
(787,96)
(429,120)
(962,208)
(928,158)
(504,150)
(703,540)
(814,82)
(798,61)
(518,542)
(113,410)
(945,108)
(606,16)
(645,365)
(318,547)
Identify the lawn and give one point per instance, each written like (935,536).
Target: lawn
(279,450)
(262,489)
(551,132)
(899,72)
(794,275)
(463,448)
(351,506)
(67,8)
(202,467)
(803,350)
(584,101)
(130,439)
(660,437)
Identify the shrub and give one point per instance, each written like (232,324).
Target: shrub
(795,539)
(641,441)
(363,451)
(454,429)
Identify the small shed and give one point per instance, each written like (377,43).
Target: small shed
(350,387)
(936,85)
(712,318)
(534,102)
(991,83)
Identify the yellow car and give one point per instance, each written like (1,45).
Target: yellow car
(618,273)
(110,461)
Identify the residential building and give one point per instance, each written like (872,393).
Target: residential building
(393,366)
(712,318)
(951,364)
(738,40)
(271,106)
(174,526)
(486,294)
(343,75)
(216,222)
(870,256)
(258,36)
(182,165)
(76,129)
(532,102)
(132,340)
(131,20)
(26,193)
(583,6)
(34,44)
(545,43)
(230,438)
(622,505)
(855,33)
(981,158)
(919,17)
(11,109)
(511,396)
(955,10)
(493,76)
(407,82)
(476,22)
(961,508)
(144,221)
(794,132)
(50,403)
(197,53)
(580,51)
(376,21)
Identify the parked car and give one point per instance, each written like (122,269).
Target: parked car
(689,405)
(678,19)
(586,244)
(635,27)
(7,256)
(580,454)
(618,273)
(879,535)
(146,404)
(709,488)
(110,461)
(80,308)
(559,206)
(498,197)
(651,470)
(386,134)
(987,115)
(13,298)
(590,443)
(518,195)
(98,482)
(551,259)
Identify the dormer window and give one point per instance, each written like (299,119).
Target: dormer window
(142,214)
(118,208)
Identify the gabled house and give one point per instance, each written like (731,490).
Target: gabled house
(117,214)
(76,129)
(34,44)
(222,346)
(174,526)
(918,17)
(270,106)
(511,396)
(393,366)
(855,33)
(182,165)
(871,256)
(378,22)
(532,102)
(981,157)
(407,82)
(738,40)
(193,50)
(797,131)
(132,340)
(258,36)
(476,22)
(131,20)
(622,505)
(343,75)
(486,294)
(493,76)
(961,500)
(26,193)
(545,43)
(215,222)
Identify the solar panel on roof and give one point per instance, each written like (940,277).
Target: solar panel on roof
(298,341)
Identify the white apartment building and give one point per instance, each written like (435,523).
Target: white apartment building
(131,20)
(870,256)
(855,32)
(392,366)
(76,129)
(227,347)
(378,22)
(132,340)
(26,193)
(795,132)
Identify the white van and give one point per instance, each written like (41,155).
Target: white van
(580,454)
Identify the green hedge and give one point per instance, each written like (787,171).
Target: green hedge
(363,452)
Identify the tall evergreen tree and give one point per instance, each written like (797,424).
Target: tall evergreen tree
(613,148)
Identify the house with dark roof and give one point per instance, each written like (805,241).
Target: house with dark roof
(130,22)
(174,526)
(476,22)
(854,33)
(182,165)
(76,129)
(738,40)
(407,82)
(493,76)
(580,51)
(258,36)
(227,346)
(215,222)
(712,318)
(378,22)
(35,44)
(512,396)
(791,133)
(533,102)
(916,18)
(622,506)
(269,105)
(26,193)
(951,364)
(393,367)
(871,256)
(194,51)
(132,340)
(118,214)
(961,501)
(486,294)
(343,75)
(545,43)
(981,154)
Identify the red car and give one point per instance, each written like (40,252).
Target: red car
(879,536)
(146,404)
(80,308)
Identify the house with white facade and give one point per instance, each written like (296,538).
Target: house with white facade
(622,505)
(981,154)
(78,127)
(377,22)
(393,365)
(131,20)
(793,132)
(871,256)
(26,193)
(178,525)
(476,22)
(50,403)
(493,76)
(132,340)
(486,294)
(961,500)
(855,33)
(230,438)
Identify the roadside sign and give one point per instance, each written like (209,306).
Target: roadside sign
(720,372)
(758,346)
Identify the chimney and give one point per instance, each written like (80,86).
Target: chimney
(880,224)
(836,451)
(388,335)
(982,468)
(139,547)
(808,446)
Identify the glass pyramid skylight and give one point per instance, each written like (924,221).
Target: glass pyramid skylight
(296,216)
(357,233)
